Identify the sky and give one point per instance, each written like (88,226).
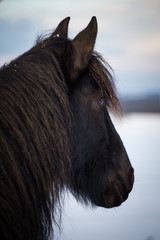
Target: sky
(128,34)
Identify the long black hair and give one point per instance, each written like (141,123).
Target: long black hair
(36,132)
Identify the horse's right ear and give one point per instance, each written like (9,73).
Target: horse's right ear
(62,29)
(79,51)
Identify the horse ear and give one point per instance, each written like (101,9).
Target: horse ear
(62,29)
(79,51)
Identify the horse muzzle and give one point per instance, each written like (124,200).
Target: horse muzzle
(117,190)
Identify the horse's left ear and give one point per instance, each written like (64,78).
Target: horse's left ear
(62,29)
(79,51)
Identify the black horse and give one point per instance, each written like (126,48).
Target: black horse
(56,133)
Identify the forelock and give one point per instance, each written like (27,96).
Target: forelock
(103,76)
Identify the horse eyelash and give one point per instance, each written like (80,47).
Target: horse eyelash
(102,101)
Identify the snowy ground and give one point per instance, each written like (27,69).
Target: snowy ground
(139,217)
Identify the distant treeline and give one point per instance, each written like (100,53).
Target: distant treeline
(143,104)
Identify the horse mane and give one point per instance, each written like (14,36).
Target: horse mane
(35,120)
(36,130)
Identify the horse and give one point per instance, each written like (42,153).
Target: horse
(56,133)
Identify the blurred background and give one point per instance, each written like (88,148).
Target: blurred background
(129,40)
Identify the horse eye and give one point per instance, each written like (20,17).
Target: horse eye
(102,102)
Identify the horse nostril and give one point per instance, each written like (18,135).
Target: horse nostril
(119,191)
(131,176)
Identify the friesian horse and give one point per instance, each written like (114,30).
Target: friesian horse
(56,133)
